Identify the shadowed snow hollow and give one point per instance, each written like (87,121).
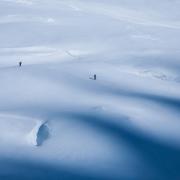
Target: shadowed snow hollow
(38,134)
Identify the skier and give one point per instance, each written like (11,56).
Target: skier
(20,64)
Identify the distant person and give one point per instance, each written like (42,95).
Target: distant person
(20,64)
(95,76)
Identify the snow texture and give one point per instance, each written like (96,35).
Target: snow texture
(58,123)
(38,134)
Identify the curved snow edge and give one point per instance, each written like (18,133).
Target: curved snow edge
(38,134)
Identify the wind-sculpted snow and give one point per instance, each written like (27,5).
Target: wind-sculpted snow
(38,134)
(57,121)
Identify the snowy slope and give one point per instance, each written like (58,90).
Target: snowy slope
(58,123)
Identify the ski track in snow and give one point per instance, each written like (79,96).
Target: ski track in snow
(55,119)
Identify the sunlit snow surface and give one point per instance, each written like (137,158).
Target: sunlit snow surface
(58,123)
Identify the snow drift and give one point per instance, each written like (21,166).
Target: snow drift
(124,125)
(38,134)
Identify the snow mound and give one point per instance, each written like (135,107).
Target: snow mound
(38,134)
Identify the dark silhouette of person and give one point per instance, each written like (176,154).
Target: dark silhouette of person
(20,64)
(95,77)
